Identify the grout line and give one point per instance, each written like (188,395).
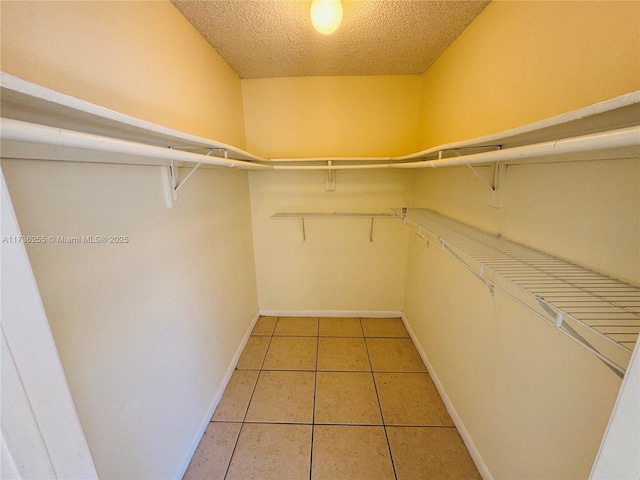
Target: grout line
(315,391)
(375,386)
(331,371)
(372,337)
(324,424)
(233,452)
(341,424)
(250,399)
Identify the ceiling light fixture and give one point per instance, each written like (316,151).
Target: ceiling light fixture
(326,15)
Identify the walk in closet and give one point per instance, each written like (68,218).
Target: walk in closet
(156,205)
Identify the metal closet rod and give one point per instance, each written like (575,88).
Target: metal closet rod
(625,137)
(18,130)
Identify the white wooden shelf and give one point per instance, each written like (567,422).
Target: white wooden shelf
(32,104)
(42,124)
(599,312)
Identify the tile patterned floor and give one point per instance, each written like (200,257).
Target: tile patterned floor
(330,398)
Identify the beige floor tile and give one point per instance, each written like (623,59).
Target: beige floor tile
(235,400)
(343,354)
(264,326)
(346,398)
(394,355)
(272,452)
(283,397)
(340,327)
(253,353)
(212,456)
(384,327)
(350,452)
(422,453)
(410,399)
(297,326)
(292,353)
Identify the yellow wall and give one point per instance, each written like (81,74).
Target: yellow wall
(146,330)
(332,116)
(337,268)
(585,212)
(139,58)
(518,385)
(519,62)
(534,402)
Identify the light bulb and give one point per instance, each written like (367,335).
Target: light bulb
(326,15)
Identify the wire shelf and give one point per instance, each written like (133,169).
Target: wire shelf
(333,215)
(600,312)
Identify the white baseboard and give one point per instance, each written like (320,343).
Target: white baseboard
(331,313)
(214,402)
(466,438)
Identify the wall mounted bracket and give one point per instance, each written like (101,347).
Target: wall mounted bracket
(330,182)
(333,215)
(496,187)
(499,177)
(171,180)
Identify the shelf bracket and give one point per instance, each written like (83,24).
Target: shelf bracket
(330,181)
(479,275)
(484,182)
(559,322)
(171,181)
(499,177)
(496,187)
(355,216)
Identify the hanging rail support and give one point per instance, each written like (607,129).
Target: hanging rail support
(497,185)
(478,275)
(330,181)
(171,178)
(177,187)
(558,321)
(499,178)
(484,182)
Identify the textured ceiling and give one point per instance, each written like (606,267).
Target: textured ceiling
(275,38)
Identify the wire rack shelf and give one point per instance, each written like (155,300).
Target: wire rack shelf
(333,216)
(599,312)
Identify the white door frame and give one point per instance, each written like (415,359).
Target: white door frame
(41,433)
